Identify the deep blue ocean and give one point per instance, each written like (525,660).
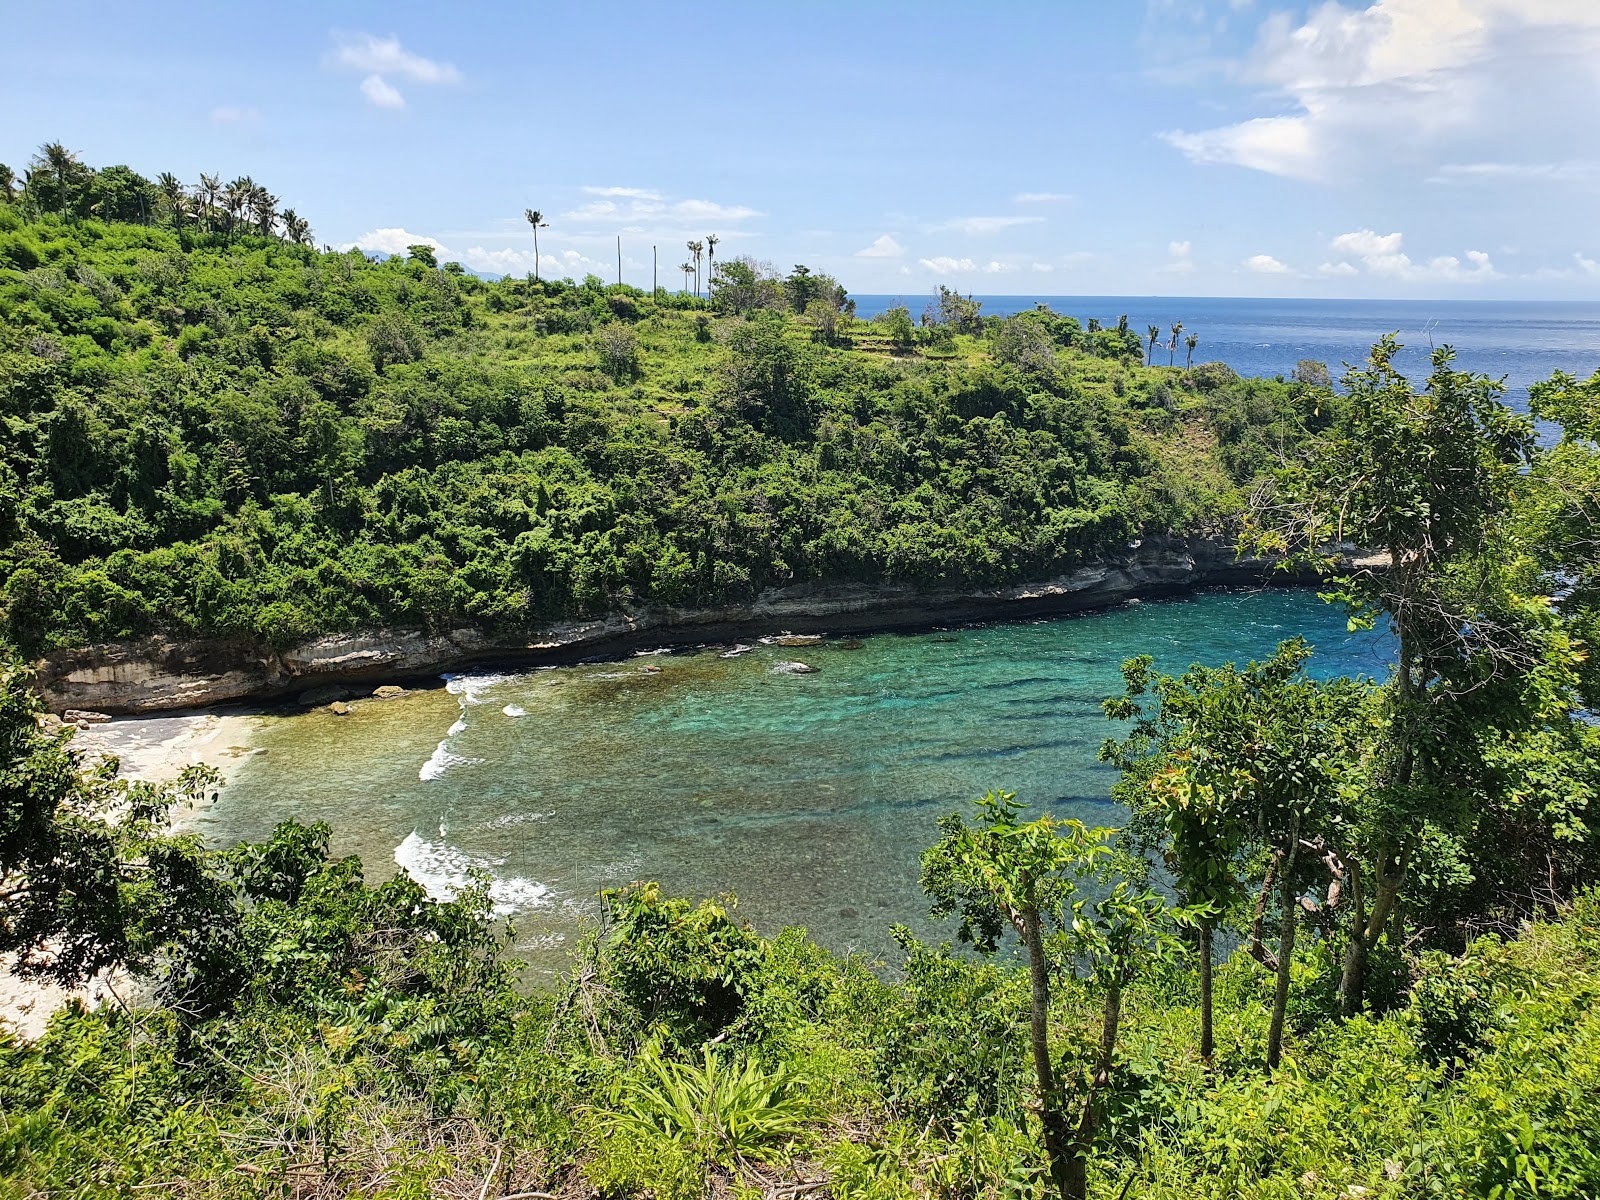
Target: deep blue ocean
(1522,341)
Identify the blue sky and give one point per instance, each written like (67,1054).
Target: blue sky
(1427,148)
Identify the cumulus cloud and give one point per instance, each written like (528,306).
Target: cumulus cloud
(230,114)
(1043,197)
(1042,268)
(882,247)
(1383,255)
(945,265)
(1355,87)
(394,241)
(995,267)
(1265,264)
(520,262)
(1337,270)
(1180,258)
(382,59)
(1587,265)
(982,226)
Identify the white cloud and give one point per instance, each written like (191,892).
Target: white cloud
(382,59)
(1181,258)
(631,193)
(994,267)
(650,210)
(230,114)
(1359,88)
(982,226)
(1339,270)
(1042,197)
(706,210)
(394,241)
(1588,265)
(1570,171)
(1265,264)
(385,56)
(882,247)
(1042,268)
(381,93)
(1382,255)
(945,265)
(552,266)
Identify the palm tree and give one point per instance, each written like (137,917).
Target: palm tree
(60,161)
(264,209)
(207,191)
(536,219)
(1172,346)
(235,198)
(688,270)
(1154,331)
(696,249)
(1189,344)
(711,259)
(296,228)
(172,192)
(8,180)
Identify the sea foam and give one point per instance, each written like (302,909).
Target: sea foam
(444,871)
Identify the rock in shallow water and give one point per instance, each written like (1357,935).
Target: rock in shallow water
(795,668)
(388,691)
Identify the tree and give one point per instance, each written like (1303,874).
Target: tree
(207,193)
(1189,344)
(174,196)
(1153,332)
(1430,479)
(1234,766)
(711,259)
(536,221)
(296,228)
(88,879)
(1172,343)
(264,210)
(423,253)
(688,271)
(8,184)
(696,249)
(902,333)
(1002,875)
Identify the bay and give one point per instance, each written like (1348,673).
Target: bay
(809,796)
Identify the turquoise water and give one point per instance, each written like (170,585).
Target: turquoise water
(808,795)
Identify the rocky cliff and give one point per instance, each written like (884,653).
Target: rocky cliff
(157,674)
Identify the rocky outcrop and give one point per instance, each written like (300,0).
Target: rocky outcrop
(157,674)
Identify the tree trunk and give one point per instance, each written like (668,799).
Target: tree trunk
(1077,1186)
(1050,1115)
(1365,930)
(1291,908)
(1207,1048)
(1258,951)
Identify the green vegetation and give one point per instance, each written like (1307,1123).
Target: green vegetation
(212,430)
(1423,844)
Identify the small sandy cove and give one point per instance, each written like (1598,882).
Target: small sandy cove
(152,748)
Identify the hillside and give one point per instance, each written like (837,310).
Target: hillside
(231,434)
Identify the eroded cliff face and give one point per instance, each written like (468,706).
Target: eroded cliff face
(157,674)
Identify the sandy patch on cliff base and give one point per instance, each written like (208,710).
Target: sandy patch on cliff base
(152,748)
(159,748)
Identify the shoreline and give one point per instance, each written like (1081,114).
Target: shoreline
(158,675)
(155,749)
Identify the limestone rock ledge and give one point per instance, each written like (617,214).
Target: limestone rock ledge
(157,674)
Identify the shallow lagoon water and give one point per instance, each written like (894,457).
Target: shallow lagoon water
(810,796)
